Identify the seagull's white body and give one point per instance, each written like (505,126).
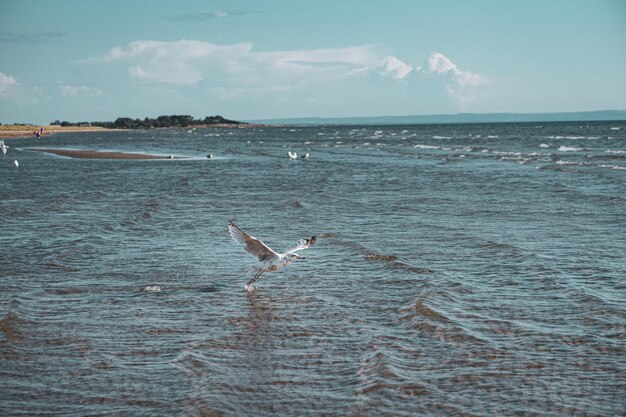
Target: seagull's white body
(292,155)
(3,147)
(270,260)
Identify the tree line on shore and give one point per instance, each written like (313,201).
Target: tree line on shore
(149,123)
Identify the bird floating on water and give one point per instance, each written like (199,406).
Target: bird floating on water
(3,147)
(15,163)
(270,260)
(292,155)
(305,156)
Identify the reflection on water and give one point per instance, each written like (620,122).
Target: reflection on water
(460,270)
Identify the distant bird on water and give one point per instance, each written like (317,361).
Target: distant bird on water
(15,163)
(270,260)
(292,155)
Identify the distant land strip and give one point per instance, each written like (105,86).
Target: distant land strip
(459,118)
(121,123)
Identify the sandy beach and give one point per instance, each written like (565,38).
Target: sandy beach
(10,132)
(91,154)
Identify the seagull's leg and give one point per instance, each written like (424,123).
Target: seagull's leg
(248,286)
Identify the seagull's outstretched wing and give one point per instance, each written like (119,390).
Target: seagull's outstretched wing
(303,244)
(251,244)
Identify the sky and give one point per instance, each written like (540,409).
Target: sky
(80,60)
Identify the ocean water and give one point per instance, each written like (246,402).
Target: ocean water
(474,270)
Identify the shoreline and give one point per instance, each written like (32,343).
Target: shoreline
(93,154)
(22,133)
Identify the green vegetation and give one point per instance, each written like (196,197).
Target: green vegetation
(148,123)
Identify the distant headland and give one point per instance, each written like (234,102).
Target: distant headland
(161,122)
(165,121)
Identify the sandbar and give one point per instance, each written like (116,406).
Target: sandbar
(17,132)
(90,154)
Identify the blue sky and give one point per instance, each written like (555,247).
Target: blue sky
(243,59)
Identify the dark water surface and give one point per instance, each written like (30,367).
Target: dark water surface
(460,270)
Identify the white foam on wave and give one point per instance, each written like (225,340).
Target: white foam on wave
(566,137)
(507,153)
(544,145)
(569,149)
(617,167)
(615,128)
(518,159)
(615,151)
(564,162)
(426,146)
(442,137)
(151,288)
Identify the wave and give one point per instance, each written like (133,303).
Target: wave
(393,262)
(617,167)
(569,137)
(570,149)
(419,308)
(564,162)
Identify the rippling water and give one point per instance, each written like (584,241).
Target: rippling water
(459,270)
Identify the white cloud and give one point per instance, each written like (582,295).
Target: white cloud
(461,85)
(395,68)
(440,64)
(240,74)
(79,91)
(219,13)
(203,16)
(191,61)
(7,82)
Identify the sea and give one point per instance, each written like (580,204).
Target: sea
(459,270)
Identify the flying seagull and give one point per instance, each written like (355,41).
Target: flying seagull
(270,260)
